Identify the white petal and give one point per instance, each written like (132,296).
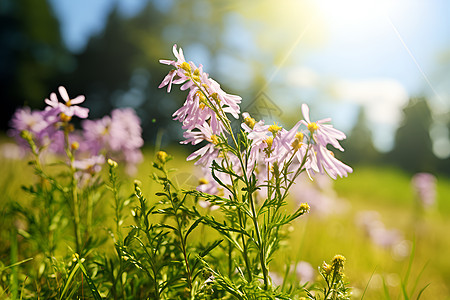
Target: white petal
(63,92)
(78,100)
(305,112)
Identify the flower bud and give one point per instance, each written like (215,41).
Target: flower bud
(304,207)
(112,163)
(75,145)
(162,156)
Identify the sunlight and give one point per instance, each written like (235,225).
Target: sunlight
(351,12)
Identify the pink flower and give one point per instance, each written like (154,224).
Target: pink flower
(305,272)
(205,99)
(207,153)
(322,133)
(322,159)
(424,185)
(70,107)
(118,136)
(91,165)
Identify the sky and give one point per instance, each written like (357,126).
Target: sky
(395,51)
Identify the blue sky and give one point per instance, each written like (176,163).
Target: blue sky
(395,51)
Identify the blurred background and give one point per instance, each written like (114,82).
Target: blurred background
(380,69)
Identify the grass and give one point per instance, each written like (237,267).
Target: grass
(317,238)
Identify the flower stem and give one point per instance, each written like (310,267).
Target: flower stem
(74,190)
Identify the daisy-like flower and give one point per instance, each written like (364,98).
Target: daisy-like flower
(322,159)
(322,133)
(119,136)
(207,153)
(69,108)
(26,119)
(91,165)
(205,99)
(41,125)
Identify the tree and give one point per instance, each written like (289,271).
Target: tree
(32,54)
(413,146)
(359,147)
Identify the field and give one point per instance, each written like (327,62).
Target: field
(412,255)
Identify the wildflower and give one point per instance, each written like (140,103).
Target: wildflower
(305,272)
(162,156)
(205,98)
(424,185)
(119,136)
(304,207)
(70,107)
(39,124)
(322,133)
(91,165)
(326,162)
(112,163)
(274,128)
(322,159)
(207,153)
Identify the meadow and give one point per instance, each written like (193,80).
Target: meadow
(267,213)
(395,269)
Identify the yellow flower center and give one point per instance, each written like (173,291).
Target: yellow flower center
(214,139)
(312,127)
(65,118)
(250,122)
(185,66)
(274,128)
(269,142)
(203,181)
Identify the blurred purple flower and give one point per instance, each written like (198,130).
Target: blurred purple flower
(41,124)
(305,272)
(91,165)
(424,185)
(118,137)
(370,223)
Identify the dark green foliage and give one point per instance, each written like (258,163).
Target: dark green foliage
(413,146)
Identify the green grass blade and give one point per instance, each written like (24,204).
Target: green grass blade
(368,282)
(91,284)
(417,279)
(421,291)
(14,274)
(386,290)
(69,280)
(15,264)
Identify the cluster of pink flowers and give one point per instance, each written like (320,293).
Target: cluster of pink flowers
(118,137)
(204,119)
(373,227)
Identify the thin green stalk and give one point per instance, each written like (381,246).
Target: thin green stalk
(241,226)
(14,257)
(74,190)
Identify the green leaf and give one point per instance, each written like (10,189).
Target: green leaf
(192,227)
(89,281)
(69,280)
(210,248)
